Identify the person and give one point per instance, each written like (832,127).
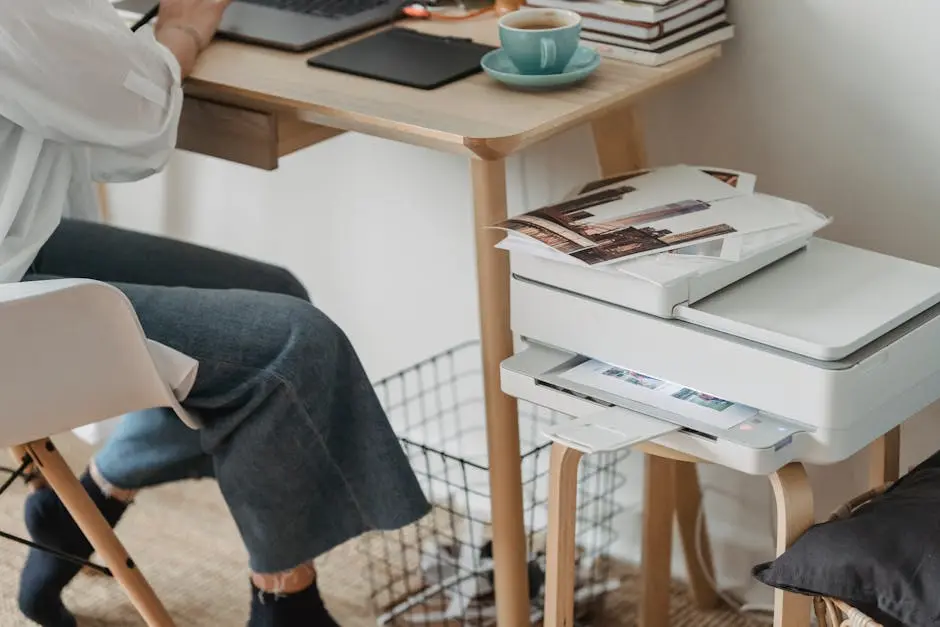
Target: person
(290,427)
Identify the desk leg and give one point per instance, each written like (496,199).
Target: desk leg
(502,421)
(794,498)
(885,463)
(619,142)
(104,207)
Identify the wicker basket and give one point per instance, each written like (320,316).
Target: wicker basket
(835,613)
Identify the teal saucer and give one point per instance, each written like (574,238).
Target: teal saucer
(496,63)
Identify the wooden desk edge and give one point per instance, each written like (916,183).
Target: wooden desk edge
(501,147)
(332,122)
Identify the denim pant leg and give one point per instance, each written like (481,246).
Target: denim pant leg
(300,446)
(152,447)
(302,450)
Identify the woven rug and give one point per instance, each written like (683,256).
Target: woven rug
(187,546)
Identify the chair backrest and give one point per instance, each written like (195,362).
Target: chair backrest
(72,352)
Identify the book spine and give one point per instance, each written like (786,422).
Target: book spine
(644,14)
(622,54)
(622,29)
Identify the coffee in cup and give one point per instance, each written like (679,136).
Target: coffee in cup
(540,41)
(549,22)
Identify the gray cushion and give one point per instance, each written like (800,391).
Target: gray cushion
(883,560)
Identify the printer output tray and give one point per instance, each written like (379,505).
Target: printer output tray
(758,445)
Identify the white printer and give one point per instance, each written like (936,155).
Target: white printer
(804,349)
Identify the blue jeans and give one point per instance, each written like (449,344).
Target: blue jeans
(290,426)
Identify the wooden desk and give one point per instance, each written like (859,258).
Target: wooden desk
(252,105)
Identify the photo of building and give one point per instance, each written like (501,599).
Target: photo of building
(731,178)
(632,241)
(606,224)
(671,239)
(598,184)
(657,213)
(703,400)
(636,378)
(574,215)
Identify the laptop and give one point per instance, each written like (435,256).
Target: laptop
(294,25)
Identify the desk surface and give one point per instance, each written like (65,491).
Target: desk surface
(476,115)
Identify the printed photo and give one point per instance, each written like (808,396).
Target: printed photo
(600,183)
(568,227)
(705,400)
(731,178)
(636,378)
(564,226)
(633,241)
(742,181)
(642,213)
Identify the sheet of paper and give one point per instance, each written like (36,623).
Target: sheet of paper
(643,214)
(609,430)
(741,181)
(655,392)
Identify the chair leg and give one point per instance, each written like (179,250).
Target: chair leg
(89,519)
(560,550)
(659,508)
(794,498)
(694,540)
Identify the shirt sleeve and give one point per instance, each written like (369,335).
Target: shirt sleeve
(73,72)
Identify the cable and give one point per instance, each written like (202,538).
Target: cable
(746,610)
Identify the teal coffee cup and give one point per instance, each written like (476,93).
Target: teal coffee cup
(540,41)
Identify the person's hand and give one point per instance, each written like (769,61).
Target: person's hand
(203,16)
(192,20)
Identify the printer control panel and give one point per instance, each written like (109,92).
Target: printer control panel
(764,431)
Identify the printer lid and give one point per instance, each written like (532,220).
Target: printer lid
(824,302)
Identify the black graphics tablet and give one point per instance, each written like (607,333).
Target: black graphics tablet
(406,57)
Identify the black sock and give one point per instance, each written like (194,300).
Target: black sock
(304,608)
(45,576)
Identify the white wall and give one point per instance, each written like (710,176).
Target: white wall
(830,102)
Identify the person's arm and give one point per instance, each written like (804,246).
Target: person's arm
(73,72)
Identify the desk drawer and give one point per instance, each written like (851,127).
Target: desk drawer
(243,135)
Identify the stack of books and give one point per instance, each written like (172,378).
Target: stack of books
(649,32)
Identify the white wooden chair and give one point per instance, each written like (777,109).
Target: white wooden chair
(72,353)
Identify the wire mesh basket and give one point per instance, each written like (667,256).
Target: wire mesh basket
(833,612)
(439,571)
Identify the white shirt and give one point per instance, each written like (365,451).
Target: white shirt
(82,98)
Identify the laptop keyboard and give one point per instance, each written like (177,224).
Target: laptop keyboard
(322,8)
